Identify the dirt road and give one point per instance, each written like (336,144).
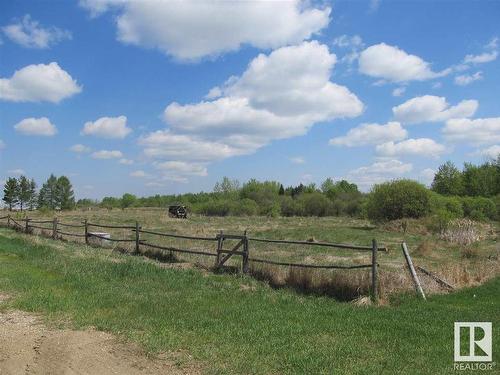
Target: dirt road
(29,347)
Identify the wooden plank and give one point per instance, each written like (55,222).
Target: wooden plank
(413,274)
(436,278)
(324,244)
(301,265)
(230,253)
(374,291)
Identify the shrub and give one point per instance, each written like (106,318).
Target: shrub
(398,199)
(479,208)
(244,207)
(441,203)
(315,204)
(291,207)
(215,208)
(440,220)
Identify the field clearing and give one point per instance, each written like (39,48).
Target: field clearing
(229,324)
(441,257)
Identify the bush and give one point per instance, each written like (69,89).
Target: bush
(441,203)
(479,208)
(440,220)
(398,199)
(215,208)
(315,204)
(244,207)
(291,207)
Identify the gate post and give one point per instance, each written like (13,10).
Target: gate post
(245,252)
(86,232)
(137,237)
(374,291)
(54,228)
(27,225)
(219,248)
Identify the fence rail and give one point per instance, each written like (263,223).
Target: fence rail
(241,248)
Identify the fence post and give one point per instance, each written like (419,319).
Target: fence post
(137,237)
(374,291)
(54,228)
(27,225)
(219,248)
(245,253)
(8,221)
(413,273)
(86,232)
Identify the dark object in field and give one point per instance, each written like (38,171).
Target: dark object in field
(177,211)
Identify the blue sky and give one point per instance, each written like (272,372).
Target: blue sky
(165,97)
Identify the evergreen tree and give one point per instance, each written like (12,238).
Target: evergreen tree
(33,195)
(24,194)
(11,192)
(48,194)
(65,197)
(282,190)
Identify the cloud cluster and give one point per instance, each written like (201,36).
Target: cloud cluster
(392,64)
(30,34)
(80,149)
(107,127)
(35,83)
(280,95)
(106,154)
(429,108)
(423,147)
(371,134)
(475,131)
(36,126)
(467,79)
(378,172)
(190,29)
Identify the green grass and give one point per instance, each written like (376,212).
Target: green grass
(228,328)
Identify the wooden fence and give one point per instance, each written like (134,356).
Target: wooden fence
(222,255)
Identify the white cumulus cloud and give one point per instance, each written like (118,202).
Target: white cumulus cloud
(80,149)
(467,79)
(139,174)
(106,154)
(429,108)
(107,127)
(30,34)
(36,83)
(423,147)
(280,95)
(378,172)
(182,168)
(492,152)
(36,126)
(367,134)
(190,29)
(474,131)
(392,64)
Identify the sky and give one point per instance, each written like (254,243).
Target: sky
(163,97)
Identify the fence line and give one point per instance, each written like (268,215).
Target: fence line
(177,235)
(242,247)
(311,243)
(111,226)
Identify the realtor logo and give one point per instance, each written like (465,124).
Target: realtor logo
(479,344)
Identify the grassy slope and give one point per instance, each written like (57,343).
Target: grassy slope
(231,329)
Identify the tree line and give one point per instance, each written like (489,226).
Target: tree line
(55,194)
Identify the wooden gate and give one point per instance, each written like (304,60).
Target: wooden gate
(241,248)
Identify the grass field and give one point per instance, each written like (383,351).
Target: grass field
(427,249)
(232,323)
